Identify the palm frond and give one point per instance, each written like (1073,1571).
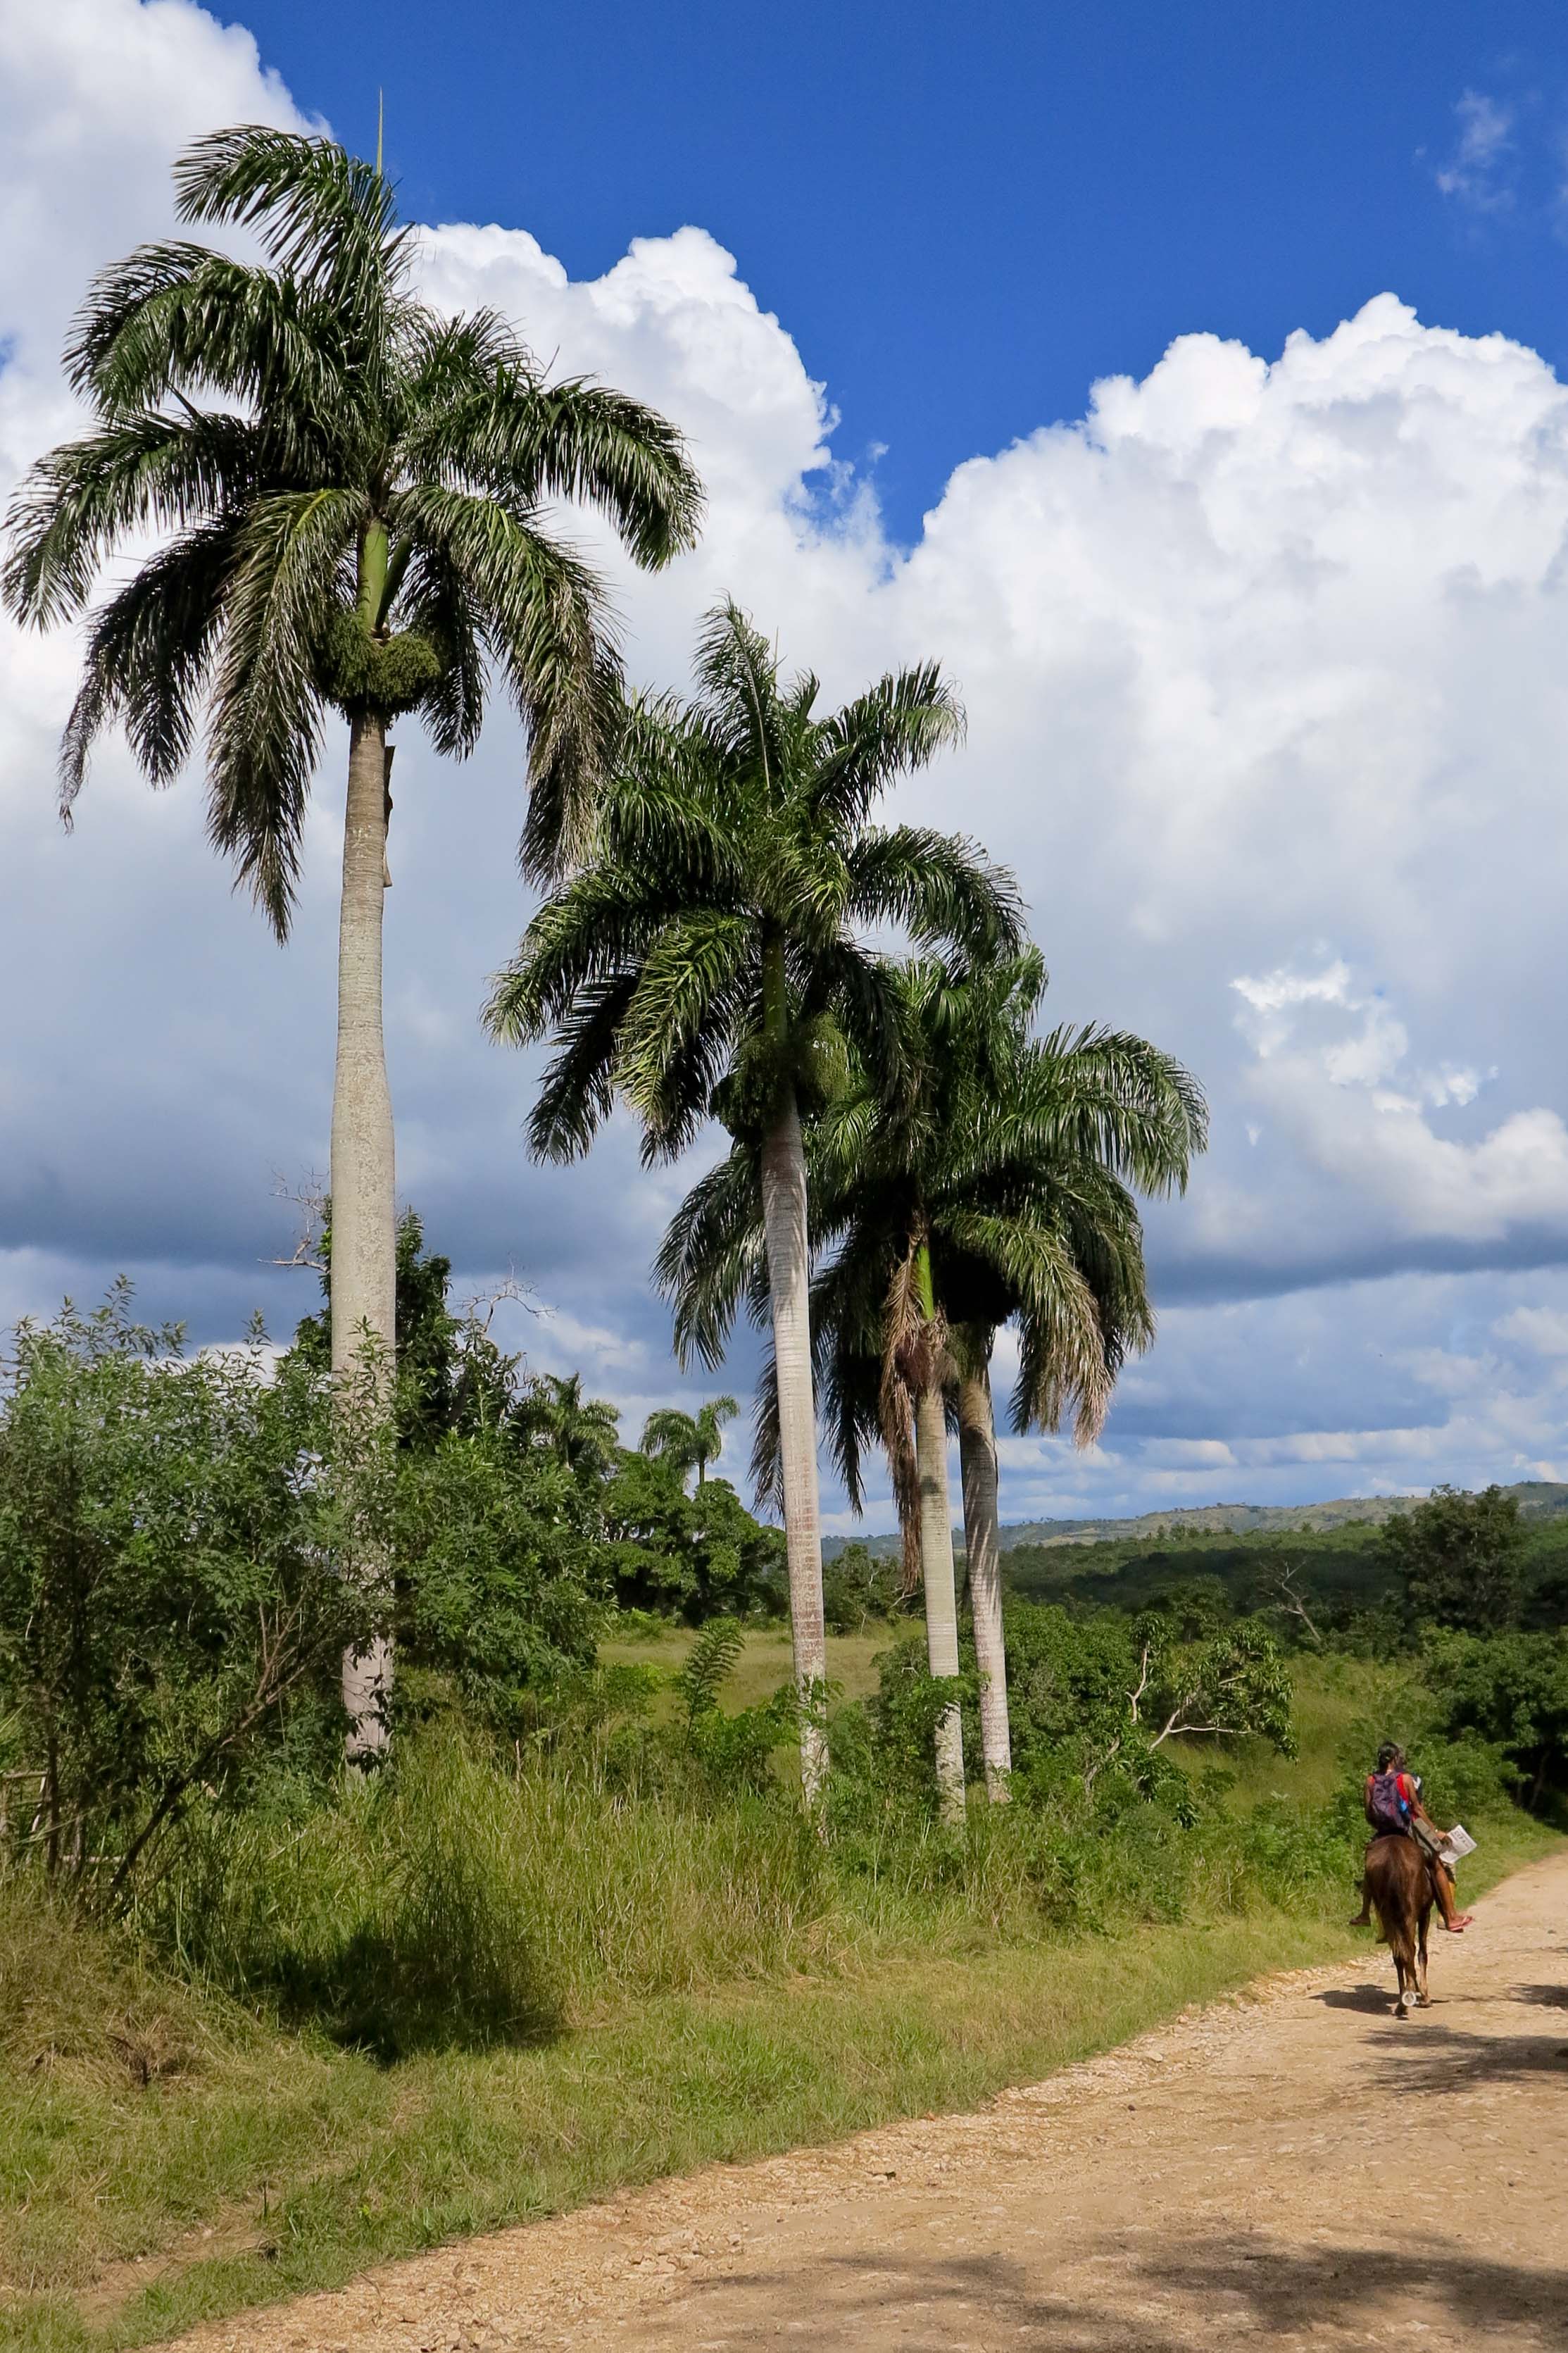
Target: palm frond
(577,1091)
(1062,1349)
(526,441)
(1117,1099)
(546,620)
(940,887)
(896,728)
(325,216)
(767,1450)
(692,975)
(176,319)
(737,677)
(292,560)
(435,602)
(590,931)
(711,1254)
(449,363)
(78,503)
(148,652)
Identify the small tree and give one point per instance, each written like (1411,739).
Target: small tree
(859,1589)
(501,1561)
(172,1557)
(690,1441)
(1097,1696)
(450,1374)
(691,1555)
(1458,1556)
(1510,1690)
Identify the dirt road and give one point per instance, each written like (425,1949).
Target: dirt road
(1293,2169)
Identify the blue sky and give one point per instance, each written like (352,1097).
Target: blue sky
(1189,380)
(964,215)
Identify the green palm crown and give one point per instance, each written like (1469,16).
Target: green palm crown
(349,492)
(709,957)
(997,1185)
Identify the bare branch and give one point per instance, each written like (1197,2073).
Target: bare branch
(481,1308)
(1288,1597)
(310,1200)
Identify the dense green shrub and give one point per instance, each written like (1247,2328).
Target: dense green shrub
(172,1584)
(497,1556)
(861,1588)
(1458,1559)
(1510,1693)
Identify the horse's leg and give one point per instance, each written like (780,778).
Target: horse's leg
(1402,1947)
(1421,1995)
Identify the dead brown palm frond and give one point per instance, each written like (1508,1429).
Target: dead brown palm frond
(914,1359)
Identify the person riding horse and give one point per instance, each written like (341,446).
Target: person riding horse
(1391,1800)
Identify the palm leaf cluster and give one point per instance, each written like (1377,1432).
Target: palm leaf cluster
(994,1185)
(349,492)
(999,1189)
(709,957)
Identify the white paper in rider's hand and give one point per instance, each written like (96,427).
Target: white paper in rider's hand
(1458,1843)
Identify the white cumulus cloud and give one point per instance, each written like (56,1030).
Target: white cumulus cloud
(1262,652)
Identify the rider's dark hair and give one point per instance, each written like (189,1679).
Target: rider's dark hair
(1390,1756)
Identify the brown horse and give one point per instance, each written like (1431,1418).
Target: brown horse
(1399,1885)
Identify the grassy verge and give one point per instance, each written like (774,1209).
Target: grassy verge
(166,2157)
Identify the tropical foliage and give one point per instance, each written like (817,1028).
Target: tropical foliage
(1458,1556)
(711,960)
(690,1441)
(992,1183)
(350,494)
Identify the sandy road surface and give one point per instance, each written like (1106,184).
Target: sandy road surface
(1230,2181)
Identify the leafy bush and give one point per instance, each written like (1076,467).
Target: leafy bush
(497,1551)
(1510,1693)
(861,1588)
(1458,1559)
(171,1575)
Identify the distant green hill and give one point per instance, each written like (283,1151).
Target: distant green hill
(1539,1499)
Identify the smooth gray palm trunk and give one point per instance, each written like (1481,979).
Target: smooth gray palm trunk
(981,1536)
(365,1222)
(941,1598)
(789,1273)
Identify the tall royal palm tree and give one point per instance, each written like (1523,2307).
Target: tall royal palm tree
(709,959)
(351,495)
(1076,1106)
(690,1441)
(993,1187)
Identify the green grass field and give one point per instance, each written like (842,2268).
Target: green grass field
(166,2157)
(764,1661)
